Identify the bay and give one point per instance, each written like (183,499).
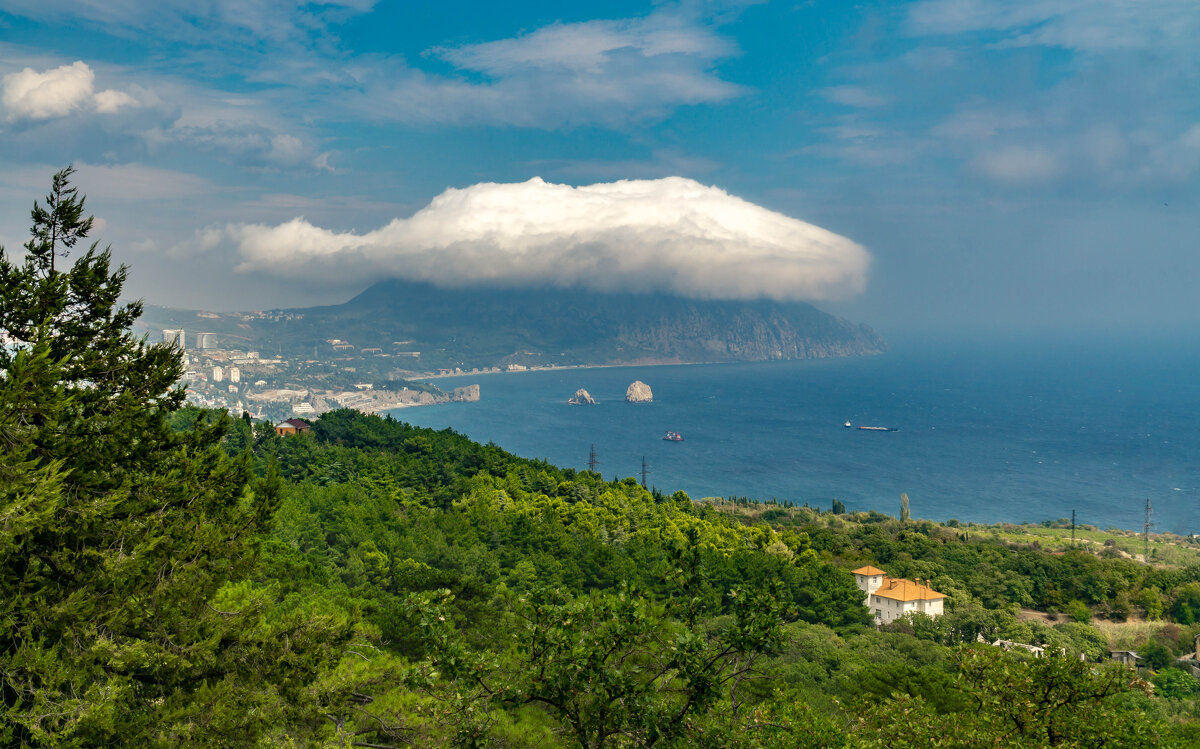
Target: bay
(1003,431)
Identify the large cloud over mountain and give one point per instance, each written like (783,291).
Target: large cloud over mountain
(670,234)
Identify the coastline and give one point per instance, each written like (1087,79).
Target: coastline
(637,363)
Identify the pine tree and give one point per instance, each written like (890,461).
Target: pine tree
(116,532)
(904,516)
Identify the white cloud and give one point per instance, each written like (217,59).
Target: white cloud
(57,92)
(670,234)
(110,101)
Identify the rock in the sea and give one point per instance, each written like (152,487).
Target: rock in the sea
(639,392)
(468,394)
(582,398)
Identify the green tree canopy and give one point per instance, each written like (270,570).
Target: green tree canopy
(117,533)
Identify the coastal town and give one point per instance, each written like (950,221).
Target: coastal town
(277,387)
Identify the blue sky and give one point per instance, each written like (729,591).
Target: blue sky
(1004,165)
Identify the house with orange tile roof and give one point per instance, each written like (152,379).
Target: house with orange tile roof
(890,598)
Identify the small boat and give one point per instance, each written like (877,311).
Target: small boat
(673,437)
(874,429)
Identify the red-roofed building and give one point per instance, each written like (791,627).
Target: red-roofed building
(890,598)
(292,426)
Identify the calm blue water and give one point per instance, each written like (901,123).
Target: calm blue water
(1007,432)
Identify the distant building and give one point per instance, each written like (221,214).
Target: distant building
(218,374)
(233,388)
(1127,657)
(235,374)
(890,598)
(176,337)
(304,407)
(1036,650)
(291,426)
(206,340)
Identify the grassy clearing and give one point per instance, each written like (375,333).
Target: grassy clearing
(1166,549)
(1127,635)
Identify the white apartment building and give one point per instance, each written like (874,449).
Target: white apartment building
(235,374)
(890,598)
(174,336)
(218,374)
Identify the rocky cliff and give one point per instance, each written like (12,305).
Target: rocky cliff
(467,394)
(581,398)
(639,392)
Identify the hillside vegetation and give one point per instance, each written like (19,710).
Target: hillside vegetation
(170,576)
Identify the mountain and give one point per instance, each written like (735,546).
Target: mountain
(478,327)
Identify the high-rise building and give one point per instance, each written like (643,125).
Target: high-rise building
(206,340)
(218,374)
(174,336)
(235,374)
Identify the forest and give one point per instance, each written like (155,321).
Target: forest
(179,577)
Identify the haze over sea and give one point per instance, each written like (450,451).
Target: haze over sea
(1012,432)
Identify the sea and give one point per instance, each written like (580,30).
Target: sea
(1011,430)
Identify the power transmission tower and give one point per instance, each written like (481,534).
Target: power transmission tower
(645,470)
(592,462)
(1146,533)
(1072,529)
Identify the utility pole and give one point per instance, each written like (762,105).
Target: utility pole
(644,471)
(1146,533)
(1072,529)
(592,462)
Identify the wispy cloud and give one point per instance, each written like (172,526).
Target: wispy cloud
(854,96)
(604,72)
(980,90)
(180,20)
(1020,164)
(1089,25)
